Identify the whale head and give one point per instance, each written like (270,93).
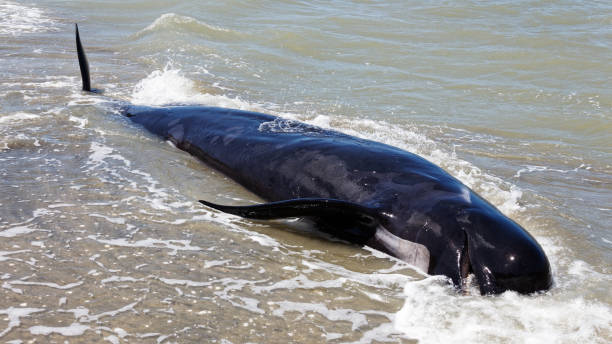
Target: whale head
(474,238)
(501,254)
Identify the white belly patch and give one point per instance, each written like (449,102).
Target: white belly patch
(408,251)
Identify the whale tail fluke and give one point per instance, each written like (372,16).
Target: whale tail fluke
(83,64)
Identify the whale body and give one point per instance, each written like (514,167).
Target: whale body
(361,191)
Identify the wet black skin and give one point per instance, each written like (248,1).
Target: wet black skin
(412,198)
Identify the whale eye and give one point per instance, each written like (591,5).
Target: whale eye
(367,220)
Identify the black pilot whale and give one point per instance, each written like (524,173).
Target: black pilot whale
(361,191)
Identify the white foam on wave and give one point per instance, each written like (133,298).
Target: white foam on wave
(174,245)
(172,20)
(47,284)
(115,220)
(374,280)
(74,329)
(535,168)
(435,313)
(356,318)
(4,254)
(17,117)
(61,205)
(81,122)
(19,19)
(101,152)
(300,282)
(16,231)
(581,272)
(186,283)
(51,81)
(14,316)
(121,279)
(82,314)
(230,285)
(170,86)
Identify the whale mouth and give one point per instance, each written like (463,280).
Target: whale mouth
(465,267)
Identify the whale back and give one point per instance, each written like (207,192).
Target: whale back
(281,159)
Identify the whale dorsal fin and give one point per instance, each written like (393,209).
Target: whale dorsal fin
(83,64)
(302,207)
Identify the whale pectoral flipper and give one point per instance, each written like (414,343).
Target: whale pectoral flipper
(301,207)
(362,223)
(349,221)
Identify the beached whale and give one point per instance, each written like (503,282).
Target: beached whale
(362,191)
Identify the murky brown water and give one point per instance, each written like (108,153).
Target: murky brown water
(101,238)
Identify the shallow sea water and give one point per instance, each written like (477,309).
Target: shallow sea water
(101,237)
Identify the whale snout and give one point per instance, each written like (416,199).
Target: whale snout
(535,276)
(525,270)
(504,256)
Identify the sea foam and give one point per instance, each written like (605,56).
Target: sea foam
(18,19)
